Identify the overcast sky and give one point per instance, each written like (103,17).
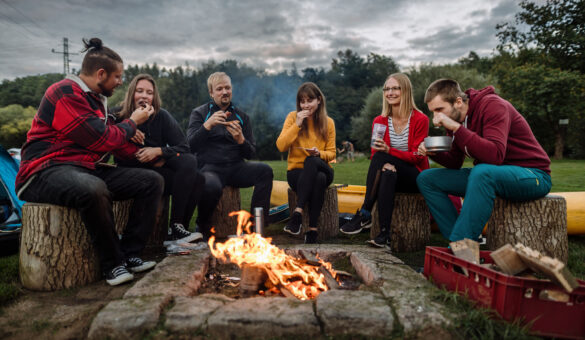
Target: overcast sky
(271,35)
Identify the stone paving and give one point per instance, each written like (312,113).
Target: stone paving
(393,302)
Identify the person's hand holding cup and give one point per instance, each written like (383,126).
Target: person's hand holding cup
(377,133)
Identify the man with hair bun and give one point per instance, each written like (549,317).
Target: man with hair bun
(221,136)
(63,162)
(508,160)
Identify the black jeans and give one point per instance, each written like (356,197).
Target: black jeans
(310,183)
(239,175)
(383,185)
(92,192)
(185,185)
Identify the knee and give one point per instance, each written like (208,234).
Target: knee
(155,182)
(265,173)
(311,162)
(213,185)
(481,173)
(93,191)
(425,178)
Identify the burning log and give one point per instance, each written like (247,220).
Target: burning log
(253,279)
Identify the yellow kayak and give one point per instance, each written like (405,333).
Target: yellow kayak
(351,197)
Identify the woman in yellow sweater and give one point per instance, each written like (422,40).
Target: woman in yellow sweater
(308,135)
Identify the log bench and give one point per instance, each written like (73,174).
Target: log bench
(411,226)
(328,223)
(539,224)
(224,224)
(56,250)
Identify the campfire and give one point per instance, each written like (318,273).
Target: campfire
(263,264)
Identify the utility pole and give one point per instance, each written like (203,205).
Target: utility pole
(65,54)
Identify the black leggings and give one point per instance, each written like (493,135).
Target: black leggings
(383,185)
(185,184)
(310,183)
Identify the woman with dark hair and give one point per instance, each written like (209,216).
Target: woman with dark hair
(395,162)
(164,149)
(308,135)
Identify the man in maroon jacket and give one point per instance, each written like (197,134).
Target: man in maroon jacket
(508,160)
(62,162)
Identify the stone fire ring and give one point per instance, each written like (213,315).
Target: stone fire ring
(394,302)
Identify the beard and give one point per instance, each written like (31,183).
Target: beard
(108,92)
(456,115)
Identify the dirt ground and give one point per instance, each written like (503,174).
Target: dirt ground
(67,314)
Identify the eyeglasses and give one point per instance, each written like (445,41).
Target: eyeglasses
(391,89)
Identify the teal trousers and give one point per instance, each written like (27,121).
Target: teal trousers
(479,186)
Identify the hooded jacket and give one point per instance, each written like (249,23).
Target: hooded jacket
(494,133)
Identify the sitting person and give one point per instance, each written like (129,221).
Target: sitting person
(164,149)
(395,164)
(221,135)
(308,135)
(62,162)
(508,160)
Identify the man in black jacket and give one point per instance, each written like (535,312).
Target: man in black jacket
(221,136)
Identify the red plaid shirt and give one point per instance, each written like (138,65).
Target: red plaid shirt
(71,127)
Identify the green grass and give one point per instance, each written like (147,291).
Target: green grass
(9,288)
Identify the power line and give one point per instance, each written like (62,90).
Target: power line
(65,54)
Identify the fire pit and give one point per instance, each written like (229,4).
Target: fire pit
(387,299)
(268,270)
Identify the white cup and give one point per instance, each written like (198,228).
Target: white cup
(377,133)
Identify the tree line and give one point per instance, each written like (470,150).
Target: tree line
(540,70)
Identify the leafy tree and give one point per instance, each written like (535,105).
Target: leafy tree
(556,29)
(362,124)
(545,95)
(15,121)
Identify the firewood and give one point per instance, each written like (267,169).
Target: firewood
(553,295)
(329,279)
(287,293)
(466,249)
(554,269)
(508,260)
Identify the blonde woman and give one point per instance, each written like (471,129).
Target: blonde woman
(308,135)
(395,162)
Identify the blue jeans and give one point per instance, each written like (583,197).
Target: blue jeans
(479,185)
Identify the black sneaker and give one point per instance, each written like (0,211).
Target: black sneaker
(136,265)
(380,241)
(118,275)
(294,225)
(311,237)
(356,224)
(178,234)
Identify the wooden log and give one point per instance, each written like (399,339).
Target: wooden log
(56,250)
(539,224)
(411,225)
(466,249)
(551,267)
(224,224)
(508,260)
(253,279)
(328,222)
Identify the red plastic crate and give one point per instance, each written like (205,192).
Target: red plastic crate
(511,297)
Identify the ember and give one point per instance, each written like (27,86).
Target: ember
(302,279)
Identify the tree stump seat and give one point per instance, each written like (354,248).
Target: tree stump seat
(56,250)
(410,229)
(223,224)
(539,224)
(328,223)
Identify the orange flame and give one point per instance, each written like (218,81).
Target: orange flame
(302,280)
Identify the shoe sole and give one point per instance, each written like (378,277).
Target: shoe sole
(120,279)
(193,237)
(357,231)
(144,267)
(291,232)
(377,245)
